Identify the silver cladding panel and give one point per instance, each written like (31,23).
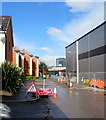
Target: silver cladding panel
(71,58)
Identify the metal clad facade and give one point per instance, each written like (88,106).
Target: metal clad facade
(71,58)
(91,53)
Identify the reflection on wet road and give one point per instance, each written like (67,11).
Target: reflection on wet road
(75,103)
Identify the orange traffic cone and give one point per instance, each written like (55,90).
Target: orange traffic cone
(55,92)
(61,79)
(70,85)
(58,79)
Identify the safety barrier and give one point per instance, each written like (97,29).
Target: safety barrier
(88,78)
(98,83)
(86,81)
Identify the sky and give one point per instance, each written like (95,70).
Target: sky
(46,28)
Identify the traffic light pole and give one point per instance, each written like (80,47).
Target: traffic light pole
(44,68)
(43,83)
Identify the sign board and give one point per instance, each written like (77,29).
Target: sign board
(32,88)
(45,91)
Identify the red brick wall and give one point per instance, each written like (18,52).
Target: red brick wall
(27,64)
(20,61)
(9,43)
(34,62)
(14,58)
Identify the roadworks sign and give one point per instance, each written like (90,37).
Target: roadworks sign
(32,88)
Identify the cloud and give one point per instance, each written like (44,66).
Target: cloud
(79,1)
(78,6)
(57,34)
(51,0)
(50,60)
(46,49)
(81,26)
(92,14)
(23,44)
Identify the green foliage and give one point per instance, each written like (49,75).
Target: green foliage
(12,77)
(31,77)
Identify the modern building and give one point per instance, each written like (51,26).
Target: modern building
(6,39)
(86,57)
(61,62)
(54,70)
(25,60)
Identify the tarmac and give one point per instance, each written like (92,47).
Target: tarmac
(22,96)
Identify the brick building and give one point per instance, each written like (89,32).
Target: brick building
(28,62)
(6,39)
(21,58)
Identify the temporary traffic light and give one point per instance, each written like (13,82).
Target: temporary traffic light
(44,72)
(44,68)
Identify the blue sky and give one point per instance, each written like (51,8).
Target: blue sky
(46,28)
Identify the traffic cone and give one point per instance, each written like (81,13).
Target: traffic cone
(58,79)
(70,85)
(55,92)
(61,79)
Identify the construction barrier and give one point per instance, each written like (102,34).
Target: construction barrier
(86,81)
(47,76)
(98,83)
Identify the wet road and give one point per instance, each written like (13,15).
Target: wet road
(75,103)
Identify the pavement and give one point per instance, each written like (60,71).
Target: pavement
(21,95)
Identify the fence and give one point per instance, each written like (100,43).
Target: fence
(86,77)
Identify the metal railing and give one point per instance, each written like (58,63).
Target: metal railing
(71,76)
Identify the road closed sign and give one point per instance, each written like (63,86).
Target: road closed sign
(45,91)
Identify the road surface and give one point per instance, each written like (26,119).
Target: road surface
(75,103)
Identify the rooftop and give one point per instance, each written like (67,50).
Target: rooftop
(4,21)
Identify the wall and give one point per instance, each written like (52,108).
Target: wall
(2,48)
(91,54)
(9,43)
(71,58)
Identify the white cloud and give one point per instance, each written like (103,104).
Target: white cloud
(51,0)
(58,34)
(79,1)
(50,59)
(79,27)
(74,29)
(78,6)
(46,49)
